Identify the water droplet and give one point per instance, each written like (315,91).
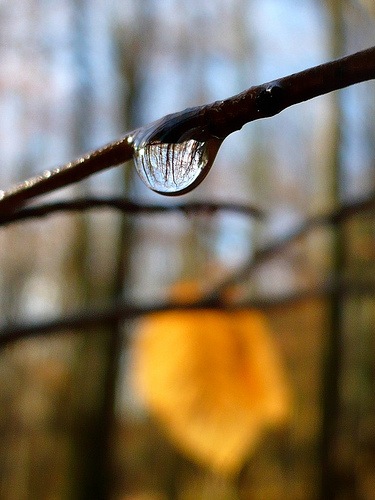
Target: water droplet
(175,168)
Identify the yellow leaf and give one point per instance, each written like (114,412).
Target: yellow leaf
(214,379)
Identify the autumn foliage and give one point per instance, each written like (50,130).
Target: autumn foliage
(214,380)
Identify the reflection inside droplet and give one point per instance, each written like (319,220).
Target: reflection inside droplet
(173,168)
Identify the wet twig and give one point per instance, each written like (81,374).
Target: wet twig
(218,119)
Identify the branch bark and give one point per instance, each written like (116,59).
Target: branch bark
(218,119)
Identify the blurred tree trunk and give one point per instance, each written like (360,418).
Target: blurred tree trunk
(331,477)
(97,359)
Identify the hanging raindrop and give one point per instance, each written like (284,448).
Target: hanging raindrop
(174,168)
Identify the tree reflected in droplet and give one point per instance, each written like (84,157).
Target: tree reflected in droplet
(175,168)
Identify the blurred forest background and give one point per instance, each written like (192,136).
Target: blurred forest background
(76,74)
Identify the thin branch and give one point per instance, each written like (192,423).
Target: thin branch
(110,155)
(268,251)
(126,206)
(218,119)
(212,299)
(131,207)
(279,244)
(119,312)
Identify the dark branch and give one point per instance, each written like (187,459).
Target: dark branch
(85,319)
(125,206)
(281,243)
(218,119)
(212,299)
(221,118)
